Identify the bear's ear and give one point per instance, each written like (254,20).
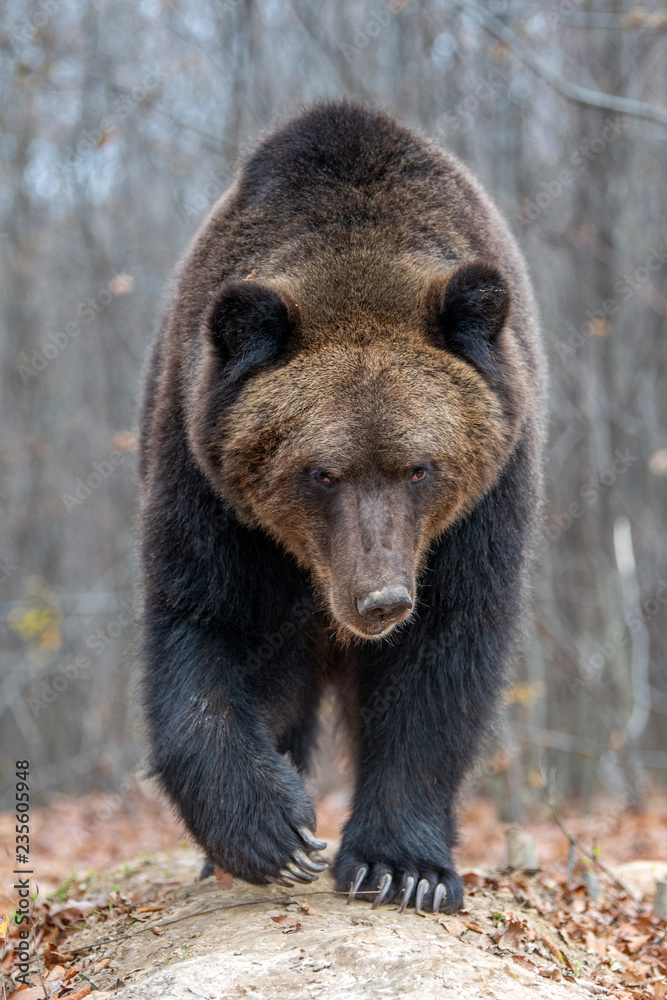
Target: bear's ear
(248,325)
(471,313)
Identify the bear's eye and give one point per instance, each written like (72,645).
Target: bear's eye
(320,476)
(418,474)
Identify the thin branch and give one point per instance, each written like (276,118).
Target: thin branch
(575,842)
(567,89)
(282,901)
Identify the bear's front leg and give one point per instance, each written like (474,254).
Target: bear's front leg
(213,751)
(422,711)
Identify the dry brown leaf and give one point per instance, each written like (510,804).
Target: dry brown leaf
(552,973)
(224,879)
(52,956)
(660,990)
(484,942)
(636,943)
(57,972)
(80,994)
(513,934)
(472,878)
(149,909)
(524,962)
(305,907)
(287,922)
(73,971)
(473,926)
(102,965)
(453,925)
(72,909)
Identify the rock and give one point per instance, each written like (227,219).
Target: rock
(224,945)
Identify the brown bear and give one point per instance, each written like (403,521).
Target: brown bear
(340,461)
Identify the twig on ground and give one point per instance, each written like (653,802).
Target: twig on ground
(282,901)
(575,842)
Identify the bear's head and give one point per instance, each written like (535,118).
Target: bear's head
(355,448)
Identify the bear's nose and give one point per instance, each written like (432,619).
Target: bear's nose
(384,605)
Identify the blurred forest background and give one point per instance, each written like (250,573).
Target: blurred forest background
(121,125)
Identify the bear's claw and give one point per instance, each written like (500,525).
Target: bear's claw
(303,868)
(299,873)
(312,841)
(447,894)
(422,889)
(299,868)
(315,867)
(438,896)
(407,893)
(383,890)
(358,879)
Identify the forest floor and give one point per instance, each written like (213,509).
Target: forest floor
(120,913)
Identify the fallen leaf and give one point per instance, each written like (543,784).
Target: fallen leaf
(635,943)
(72,909)
(80,994)
(288,923)
(52,956)
(472,878)
(453,925)
(660,991)
(484,942)
(149,909)
(524,962)
(513,934)
(103,964)
(305,907)
(473,926)
(224,879)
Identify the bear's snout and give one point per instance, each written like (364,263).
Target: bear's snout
(382,607)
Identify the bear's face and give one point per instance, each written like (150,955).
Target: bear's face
(355,457)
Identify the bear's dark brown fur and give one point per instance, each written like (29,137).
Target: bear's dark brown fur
(340,441)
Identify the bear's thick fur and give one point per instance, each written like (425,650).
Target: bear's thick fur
(340,442)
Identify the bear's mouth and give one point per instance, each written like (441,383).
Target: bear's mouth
(375,629)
